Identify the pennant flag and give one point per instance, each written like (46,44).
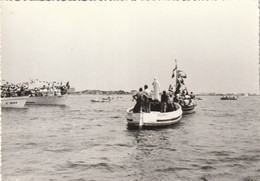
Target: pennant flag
(174,70)
(181,74)
(170,88)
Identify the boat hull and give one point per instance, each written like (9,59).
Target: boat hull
(188,109)
(154,118)
(232,99)
(48,100)
(93,100)
(14,102)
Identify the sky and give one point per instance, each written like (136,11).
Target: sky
(123,45)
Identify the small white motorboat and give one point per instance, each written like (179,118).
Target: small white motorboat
(101,100)
(14,102)
(154,118)
(48,100)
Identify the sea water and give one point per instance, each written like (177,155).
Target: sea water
(91,141)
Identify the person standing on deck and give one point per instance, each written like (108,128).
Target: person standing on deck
(164,102)
(156,89)
(147,97)
(192,95)
(139,97)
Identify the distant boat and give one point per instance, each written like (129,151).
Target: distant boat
(229,98)
(14,102)
(95,100)
(104,99)
(154,118)
(48,100)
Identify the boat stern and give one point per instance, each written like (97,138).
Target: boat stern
(153,118)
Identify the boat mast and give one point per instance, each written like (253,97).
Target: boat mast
(176,80)
(176,69)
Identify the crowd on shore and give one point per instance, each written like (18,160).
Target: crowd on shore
(147,100)
(24,89)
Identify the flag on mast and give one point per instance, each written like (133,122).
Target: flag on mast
(181,74)
(170,88)
(174,69)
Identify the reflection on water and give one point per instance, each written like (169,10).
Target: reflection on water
(91,141)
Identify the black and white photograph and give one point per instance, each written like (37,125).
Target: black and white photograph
(130,90)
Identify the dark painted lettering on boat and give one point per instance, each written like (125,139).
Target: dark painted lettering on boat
(11,103)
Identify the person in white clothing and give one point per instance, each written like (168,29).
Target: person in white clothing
(156,89)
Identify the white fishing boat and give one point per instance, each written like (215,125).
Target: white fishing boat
(14,102)
(48,100)
(154,118)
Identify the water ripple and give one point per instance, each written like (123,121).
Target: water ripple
(85,141)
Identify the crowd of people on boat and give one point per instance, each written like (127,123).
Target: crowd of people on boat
(229,98)
(147,100)
(14,90)
(24,89)
(185,99)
